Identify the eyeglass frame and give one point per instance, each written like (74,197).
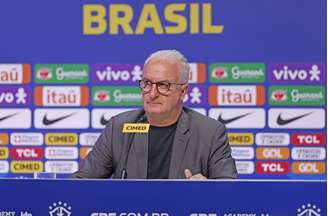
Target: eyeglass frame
(157,88)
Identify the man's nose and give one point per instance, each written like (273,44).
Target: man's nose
(153,91)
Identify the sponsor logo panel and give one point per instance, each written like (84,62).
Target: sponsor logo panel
(4,139)
(4,153)
(116,96)
(237,73)
(241,138)
(242,153)
(308,167)
(88,139)
(4,167)
(61,118)
(61,73)
(61,153)
(30,139)
(196,96)
(15,96)
(61,96)
(297,73)
(245,167)
(297,95)
(116,73)
(15,118)
(15,73)
(308,139)
(272,139)
(26,153)
(84,151)
(100,117)
(26,166)
(308,153)
(272,167)
(239,118)
(236,95)
(61,166)
(272,153)
(297,118)
(197,73)
(61,139)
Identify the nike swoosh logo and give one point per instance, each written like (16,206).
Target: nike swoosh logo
(103,120)
(7,117)
(281,121)
(229,120)
(47,121)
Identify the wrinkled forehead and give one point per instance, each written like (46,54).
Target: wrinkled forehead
(162,69)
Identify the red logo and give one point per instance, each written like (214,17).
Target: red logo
(312,139)
(272,167)
(101,96)
(44,74)
(26,153)
(220,73)
(279,95)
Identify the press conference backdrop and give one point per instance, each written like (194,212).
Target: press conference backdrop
(258,66)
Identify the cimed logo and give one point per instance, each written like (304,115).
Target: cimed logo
(60,209)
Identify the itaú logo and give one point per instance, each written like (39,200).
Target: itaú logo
(176,20)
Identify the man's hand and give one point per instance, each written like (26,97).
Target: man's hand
(189,175)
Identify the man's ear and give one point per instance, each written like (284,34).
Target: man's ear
(184,91)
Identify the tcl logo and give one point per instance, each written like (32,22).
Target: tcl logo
(26,153)
(308,167)
(308,139)
(272,167)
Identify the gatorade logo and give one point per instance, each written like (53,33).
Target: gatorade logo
(61,139)
(4,153)
(241,138)
(26,166)
(308,167)
(272,153)
(272,167)
(4,139)
(135,128)
(24,153)
(308,139)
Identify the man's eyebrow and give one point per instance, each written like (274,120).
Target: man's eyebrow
(156,81)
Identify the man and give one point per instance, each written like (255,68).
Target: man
(181,143)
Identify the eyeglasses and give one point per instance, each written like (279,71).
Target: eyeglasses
(163,87)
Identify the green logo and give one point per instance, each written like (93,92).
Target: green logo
(61,73)
(237,73)
(297,95)
(116,96)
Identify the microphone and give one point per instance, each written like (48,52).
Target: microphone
(138,127)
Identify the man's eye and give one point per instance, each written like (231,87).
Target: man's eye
(163,85)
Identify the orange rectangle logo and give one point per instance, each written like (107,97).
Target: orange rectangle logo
(308,167)
(4,139)
(272,153)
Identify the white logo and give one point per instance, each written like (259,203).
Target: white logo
(286,74)
(15,118)
(245,167)
(308,153)
(60,209)
(194,96)
(124,75)
(100,117)
(31,139)
(88,139)
(61,153)
(272,139)
(11,73)
(308,210)
(239,118)
(19,97)
(61,96)
(242,153)
(61,166)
